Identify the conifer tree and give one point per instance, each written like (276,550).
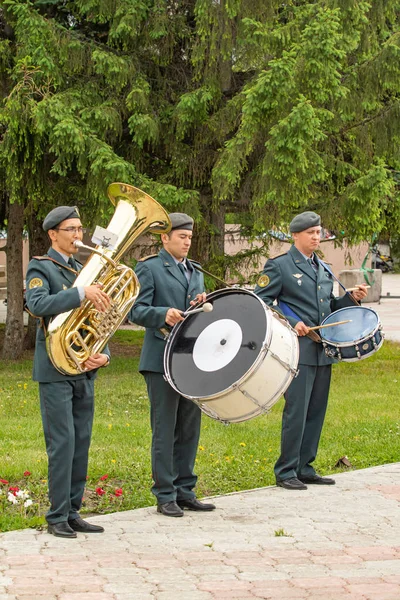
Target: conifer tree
(255,108)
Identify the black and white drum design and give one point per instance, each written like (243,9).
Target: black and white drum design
(234,362)
(353,341)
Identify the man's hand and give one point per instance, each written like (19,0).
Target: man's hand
(99,298)
(361,293)
(173,316)
(95,361)
(199,298)
(301,328)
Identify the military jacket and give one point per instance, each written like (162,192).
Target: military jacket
(289,278)
(162,286)
(49,293)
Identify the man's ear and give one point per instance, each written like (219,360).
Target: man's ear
(52,234)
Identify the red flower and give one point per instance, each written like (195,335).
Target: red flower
(100,491)
(14,490)
(103,477)
(27,473)
(3,481)
(118,492)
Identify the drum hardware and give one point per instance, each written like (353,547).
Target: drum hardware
(283,363)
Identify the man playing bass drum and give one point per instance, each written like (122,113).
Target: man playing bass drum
(168,286)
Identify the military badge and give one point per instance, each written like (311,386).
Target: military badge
(35,282)
(64,287)
(263,281)
(298,276)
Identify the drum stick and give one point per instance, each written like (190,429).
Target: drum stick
(207,307)
(355,289)
(329,325)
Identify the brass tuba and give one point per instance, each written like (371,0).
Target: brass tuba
(75,335)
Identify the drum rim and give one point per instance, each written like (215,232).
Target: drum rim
(254,367)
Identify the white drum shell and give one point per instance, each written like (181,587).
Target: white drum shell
(264,383)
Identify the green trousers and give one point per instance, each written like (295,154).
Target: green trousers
(67,409)
(175,424)
(306,400)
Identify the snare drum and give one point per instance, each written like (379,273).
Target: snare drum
(352,341)
(234,362)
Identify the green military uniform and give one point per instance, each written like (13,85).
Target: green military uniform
(66,402)
(292,281)
(175,421)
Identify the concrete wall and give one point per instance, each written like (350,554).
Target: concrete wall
(338,258)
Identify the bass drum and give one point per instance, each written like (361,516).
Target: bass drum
(353,341)
(234,362)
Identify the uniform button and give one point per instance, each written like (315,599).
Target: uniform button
(189,296)
(323,314)
(319,287)
(321,300)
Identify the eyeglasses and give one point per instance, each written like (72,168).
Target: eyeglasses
(72,229)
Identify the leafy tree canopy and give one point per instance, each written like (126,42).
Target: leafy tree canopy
(255,107)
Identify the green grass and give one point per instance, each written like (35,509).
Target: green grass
(363,423)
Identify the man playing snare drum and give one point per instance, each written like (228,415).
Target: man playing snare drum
(302,284)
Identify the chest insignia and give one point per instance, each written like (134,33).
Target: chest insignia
(64,287)
(297,275)
(263,281)
(35,282)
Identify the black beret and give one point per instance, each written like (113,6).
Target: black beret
(59,214)
(304,220)
(181,221)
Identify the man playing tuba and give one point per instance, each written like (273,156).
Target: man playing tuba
(66,401)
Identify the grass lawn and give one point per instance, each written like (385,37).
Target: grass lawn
(363,423)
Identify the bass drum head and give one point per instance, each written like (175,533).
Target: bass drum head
(364,321)
(208,352)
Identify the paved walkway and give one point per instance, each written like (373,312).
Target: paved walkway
(326,543)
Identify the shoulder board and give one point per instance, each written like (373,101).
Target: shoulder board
(147,257)
(41,257)
(195,262)
(279,256)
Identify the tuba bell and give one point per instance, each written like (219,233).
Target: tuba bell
(72,337)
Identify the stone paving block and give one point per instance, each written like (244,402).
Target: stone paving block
(87,596)
(287,592)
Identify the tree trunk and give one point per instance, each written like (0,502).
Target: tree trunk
(14,332)
(208,241)
(38,245)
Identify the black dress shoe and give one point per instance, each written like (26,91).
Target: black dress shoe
(170,509)
(61,530)
(194,504)
(84,527)
(318,480)
(291,484)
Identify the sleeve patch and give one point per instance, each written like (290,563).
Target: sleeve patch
(263,281)
(35,282)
